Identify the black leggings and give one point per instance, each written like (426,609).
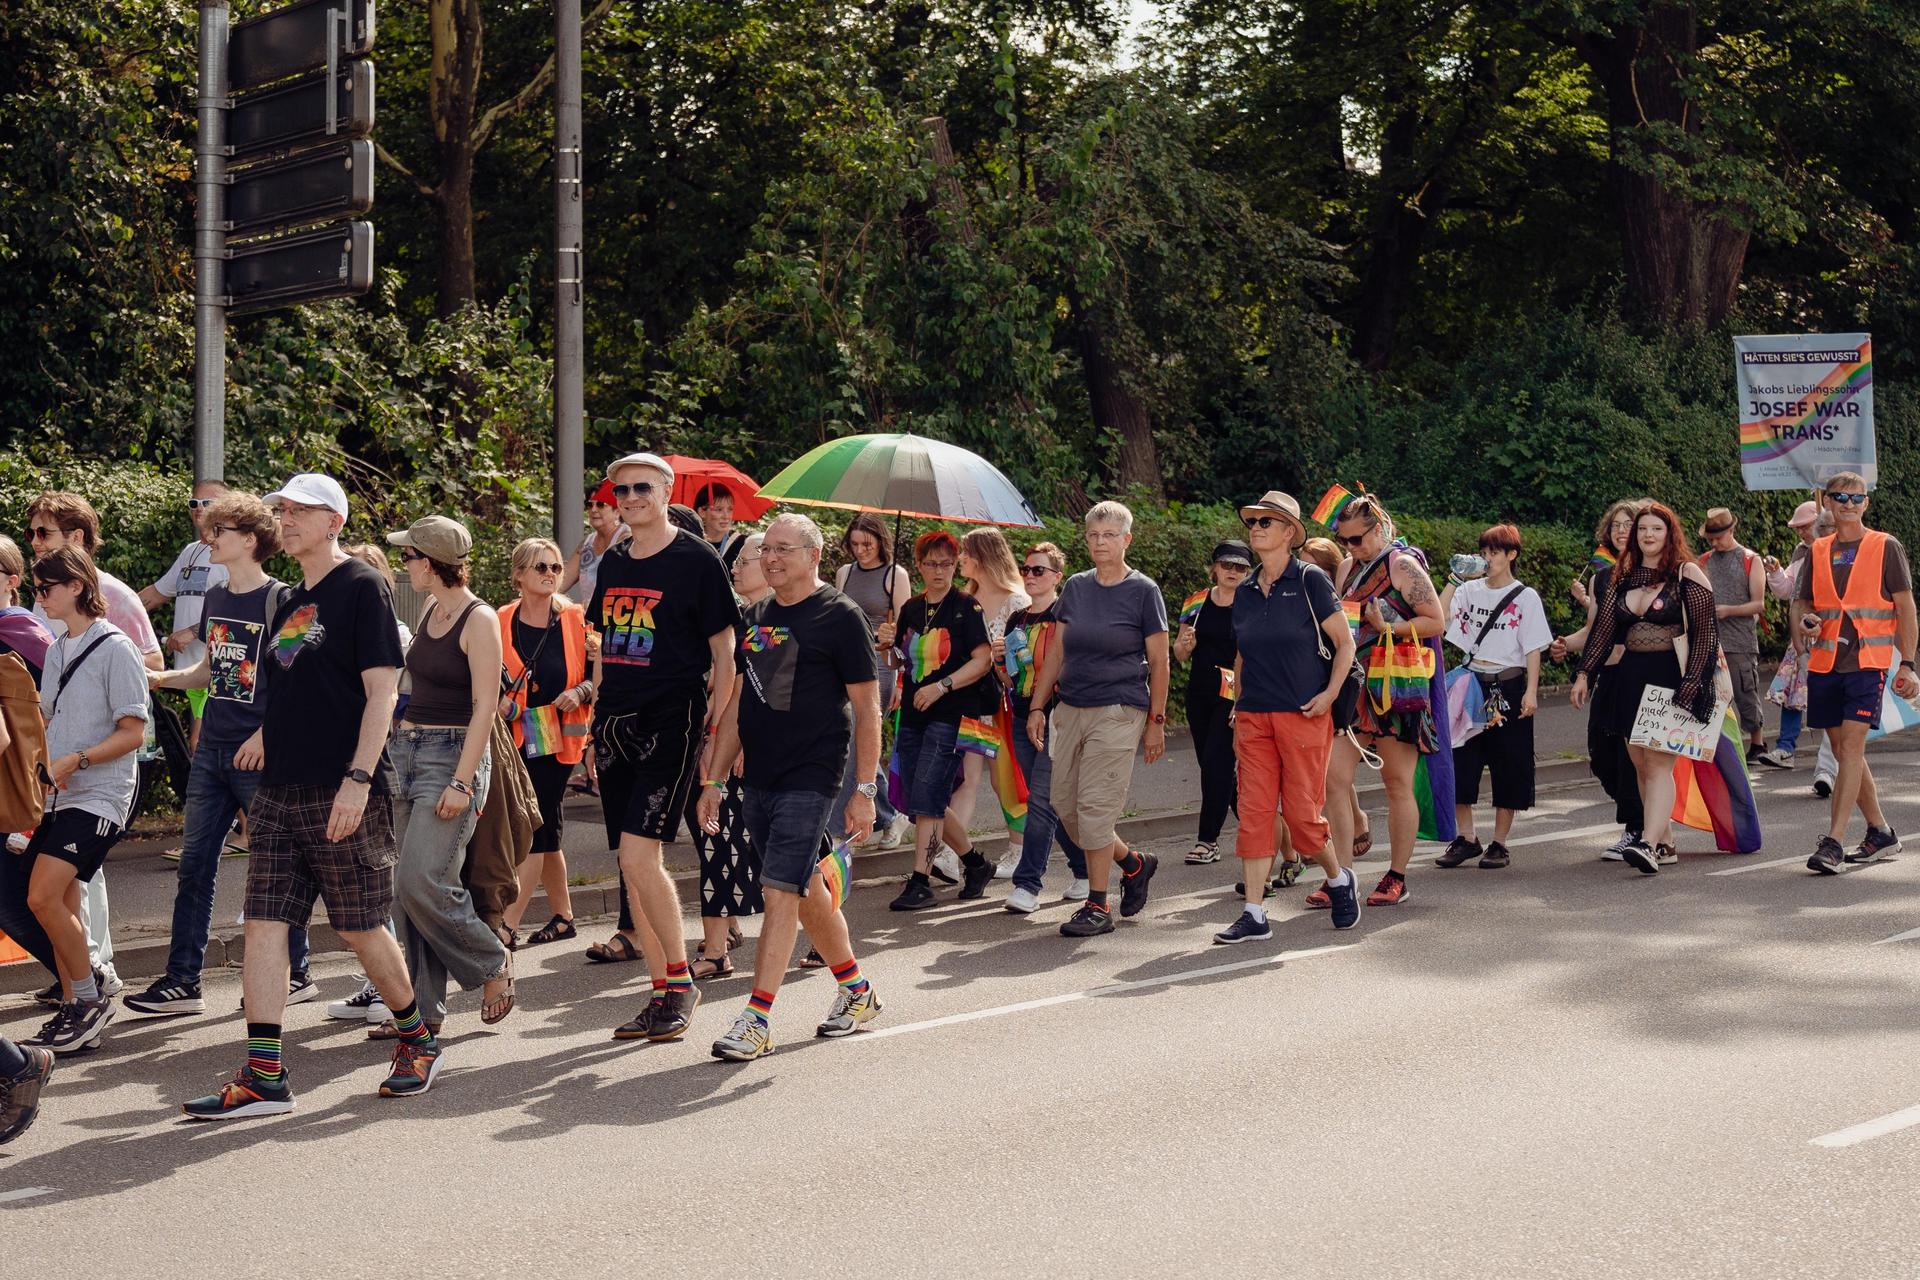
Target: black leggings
(1213,745)
(549,777)
(1608,759)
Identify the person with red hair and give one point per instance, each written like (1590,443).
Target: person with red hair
(1661,597)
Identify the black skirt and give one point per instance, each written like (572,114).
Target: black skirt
(1617,701)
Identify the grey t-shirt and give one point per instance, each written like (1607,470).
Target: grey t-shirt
(1727,571)
(111,683)
(1104,661)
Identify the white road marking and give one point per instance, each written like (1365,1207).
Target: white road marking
(1093,993)
(24,1193)
(1856,1134)
(1745,867)
(1899,937)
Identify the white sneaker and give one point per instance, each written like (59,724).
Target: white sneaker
(1022,901)
(1777,758)
(110,984)
(898,832)
(365,1005)
(947,862)
(1003,870)
(1078,890)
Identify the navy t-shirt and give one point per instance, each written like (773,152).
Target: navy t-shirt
(1279,635)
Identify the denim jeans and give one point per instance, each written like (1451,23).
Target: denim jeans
(1790,722)
(1043,826)
(883,810)
(216,791)
(443,937)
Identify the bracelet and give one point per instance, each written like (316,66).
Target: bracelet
(714,782)
(464,788)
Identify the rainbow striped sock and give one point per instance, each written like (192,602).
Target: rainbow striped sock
(410,1025)
(659,986)
(760,1005)
(678,979)
(848,976)
(263,1051)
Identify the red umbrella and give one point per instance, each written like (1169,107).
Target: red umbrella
(691,475)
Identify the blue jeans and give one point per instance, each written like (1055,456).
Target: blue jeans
(1043,825)
(443,937)
(929,762)
(1790,722)
(883,810)
(787,828)
(216,791)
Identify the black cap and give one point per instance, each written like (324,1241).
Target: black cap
(1234,551)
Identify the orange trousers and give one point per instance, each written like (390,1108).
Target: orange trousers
(1282,757)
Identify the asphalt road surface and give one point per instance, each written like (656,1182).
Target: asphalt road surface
(1560,1069)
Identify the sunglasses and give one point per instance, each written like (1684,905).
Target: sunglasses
(1261,522)
(1034,570)
(195,504)
(541,566)
(1846,499)
(639,489)
(42,590)
(408,555)
(41,531)
(1353,541)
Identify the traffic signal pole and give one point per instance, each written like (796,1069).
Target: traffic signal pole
(569,282)
(209,249)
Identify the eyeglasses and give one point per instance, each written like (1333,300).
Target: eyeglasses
(541,566)
(1352,542)
(38,532)
(286,509)
(639,489)
(195,504)
(1622,522)
(1262,522)
(1846,499)
(408,555)
(218,529)
(1104,535)
(936,565)
(779,552)
(1035,570)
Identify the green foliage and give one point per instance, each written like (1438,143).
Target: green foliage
(142,506)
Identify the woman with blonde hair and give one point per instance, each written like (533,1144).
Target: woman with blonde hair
(993,580)
(549,697)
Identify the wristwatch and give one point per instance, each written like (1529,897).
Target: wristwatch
(946,683)
(868,789)
(84,762)
(1160,718)
(360,776)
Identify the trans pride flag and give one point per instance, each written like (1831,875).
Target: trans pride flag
(1716,795)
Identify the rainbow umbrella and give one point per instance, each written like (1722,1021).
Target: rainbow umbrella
(903,475)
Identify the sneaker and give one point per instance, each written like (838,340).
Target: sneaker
(1617,851)
(946,865)
(301,988)
(77,1026)
(898,832)
(1003,869)
(1240,888)
(1823,787)
(1776,759)
(1879,843)
(364,1005)
(1461,850)
(48,995)
(166,999)
(1133,888)
(1827,857)
(1344,900)
(975,879)
(1203,853)
(917,896)
(1089,921)
(1078,890)
(850,1012)
(1640,856)
(749,1038)
(1666,855)
(1495,857)
(1390,892)
(110,984)
(1319,899)
(675,1013)
(1245,929)
(244,1096)
(415,1064)
(20,1094)
(638,1026)
(1022,902)
(1286,876)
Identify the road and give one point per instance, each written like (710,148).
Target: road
(1561,1069)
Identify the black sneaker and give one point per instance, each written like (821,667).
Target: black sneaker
(1827,857)
(641,1023)
(975,877)
(48,996)
(1822,788)
(301,988)
(20,1094)
(1878,844)
(165,999)
(1462,850)
(1641,857)
(918,895)
(1245,929)
(241,1098)
(1088,922)
(80,1024)
(1240,886)
(1345,899)
(1133,888)
(675,1012)
(1495,857)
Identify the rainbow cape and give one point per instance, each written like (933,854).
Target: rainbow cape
(540,731)
(927,653)
(1601,559)
(1433,775)
(979,737)
(1190,607)
(1332,502)
(836,868)
(1715,795)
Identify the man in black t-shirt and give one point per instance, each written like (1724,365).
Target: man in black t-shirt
(322,818)
(665,614)
(806,660)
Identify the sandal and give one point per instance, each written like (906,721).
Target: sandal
(1363,844)
(721,968)
(495,1010)
(615,950)
(558,929)
(1203,852)
(812,960)
(583,785)
(734,939)
(387,1031)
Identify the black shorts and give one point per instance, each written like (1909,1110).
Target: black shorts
(647,760)
(76,837)
(1835,698)
(292,862)
(1506,750)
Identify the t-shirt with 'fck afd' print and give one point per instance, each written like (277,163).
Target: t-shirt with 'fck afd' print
(656,616)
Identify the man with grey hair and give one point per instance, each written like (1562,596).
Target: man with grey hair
(1109,666)
(806,691)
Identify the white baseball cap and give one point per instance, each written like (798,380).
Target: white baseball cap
(312,489)
(653,460)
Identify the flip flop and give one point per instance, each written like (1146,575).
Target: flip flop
(497,1010)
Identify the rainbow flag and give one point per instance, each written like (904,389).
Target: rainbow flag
(979,737)
(1716,795)
(540,731)
(1601,559)
(1332,502)
(927,653)
(1009,784)
(1433,775)
(1190,607)
(1354,619)
(836,868)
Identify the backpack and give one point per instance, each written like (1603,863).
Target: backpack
(22,797)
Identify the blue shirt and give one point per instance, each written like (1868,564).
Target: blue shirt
(1279,635)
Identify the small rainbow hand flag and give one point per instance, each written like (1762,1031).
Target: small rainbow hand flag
(1332,502)
(540,731)
(836,868)
(1227,689)
(1190,607)
(979,737)
(1601,559)
(927,653)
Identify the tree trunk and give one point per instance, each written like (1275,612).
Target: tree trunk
(1683,257)
(1117,409)
(1402,210)
(453,92)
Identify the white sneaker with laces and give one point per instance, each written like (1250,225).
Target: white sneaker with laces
(898,832)
(1003,870)
(1022,902)
(1078,890)
(749,1038)
(948,862)
(1777,758)
(365,1005)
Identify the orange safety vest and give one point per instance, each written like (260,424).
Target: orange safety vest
(1874,619)
(573,644)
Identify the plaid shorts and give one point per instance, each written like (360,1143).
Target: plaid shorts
(292,862)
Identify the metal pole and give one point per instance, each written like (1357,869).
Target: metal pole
(569,272)
(209,250)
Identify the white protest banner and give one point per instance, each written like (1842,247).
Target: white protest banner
(1806,408)
(1664,727)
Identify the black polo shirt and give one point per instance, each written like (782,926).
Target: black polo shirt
(1280,664)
